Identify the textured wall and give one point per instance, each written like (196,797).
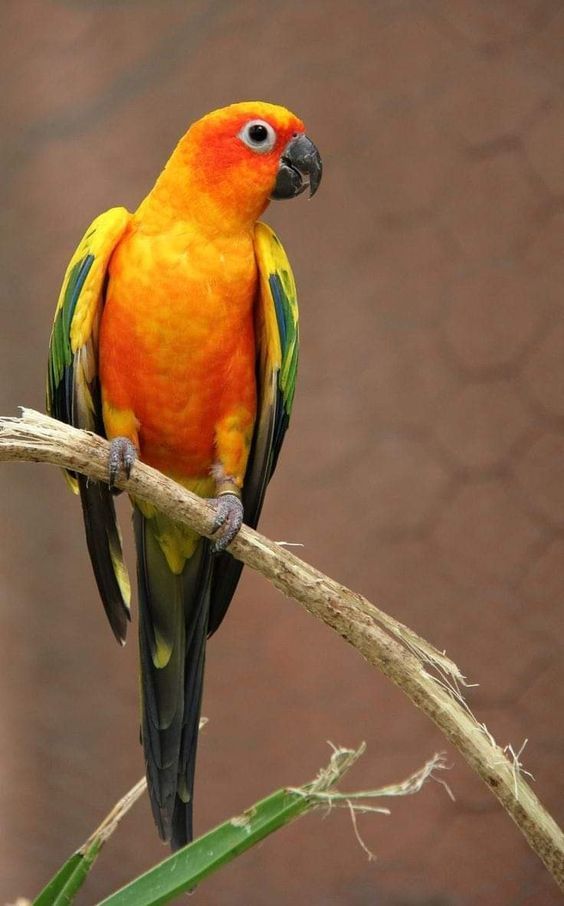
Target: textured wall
(425,466)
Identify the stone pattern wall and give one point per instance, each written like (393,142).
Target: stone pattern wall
(425,465)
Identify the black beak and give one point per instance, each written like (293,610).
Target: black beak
(300,167)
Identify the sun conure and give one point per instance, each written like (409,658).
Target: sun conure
(176,337)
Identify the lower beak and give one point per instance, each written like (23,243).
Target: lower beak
(300,167)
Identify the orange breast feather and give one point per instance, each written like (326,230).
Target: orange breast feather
(177,350)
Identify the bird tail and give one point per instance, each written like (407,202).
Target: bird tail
(173,624)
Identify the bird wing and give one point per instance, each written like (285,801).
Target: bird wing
(277,339)
(73,397)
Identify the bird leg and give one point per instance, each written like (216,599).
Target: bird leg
(122,456)
(228,515)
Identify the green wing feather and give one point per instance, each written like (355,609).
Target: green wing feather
(278,346)
(277,338)
(73,396)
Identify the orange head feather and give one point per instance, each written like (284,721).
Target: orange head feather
(223,171)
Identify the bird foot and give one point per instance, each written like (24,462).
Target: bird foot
(228,520)
(121,458)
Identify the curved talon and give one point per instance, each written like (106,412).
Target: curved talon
(122,457)
(228,520)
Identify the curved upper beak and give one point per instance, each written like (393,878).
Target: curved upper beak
(300,166)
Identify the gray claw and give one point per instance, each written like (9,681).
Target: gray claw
(121,458)
(220,515)
(228,520)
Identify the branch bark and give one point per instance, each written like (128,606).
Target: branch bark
(429,679)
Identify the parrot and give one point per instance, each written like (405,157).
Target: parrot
(175,337)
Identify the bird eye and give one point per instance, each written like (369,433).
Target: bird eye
(258,136)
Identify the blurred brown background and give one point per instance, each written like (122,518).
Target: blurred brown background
(425,465)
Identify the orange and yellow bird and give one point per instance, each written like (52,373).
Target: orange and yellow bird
(176,337)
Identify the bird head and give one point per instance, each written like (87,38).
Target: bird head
(233,161)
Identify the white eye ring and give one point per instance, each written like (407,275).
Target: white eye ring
(258,136)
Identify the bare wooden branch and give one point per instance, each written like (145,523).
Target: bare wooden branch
(429,679)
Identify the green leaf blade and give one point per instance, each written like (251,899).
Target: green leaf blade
(50,892)
(185,869)
(61,890)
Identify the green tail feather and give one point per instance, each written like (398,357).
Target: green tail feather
(173,623)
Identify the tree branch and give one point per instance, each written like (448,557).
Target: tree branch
(396,650)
